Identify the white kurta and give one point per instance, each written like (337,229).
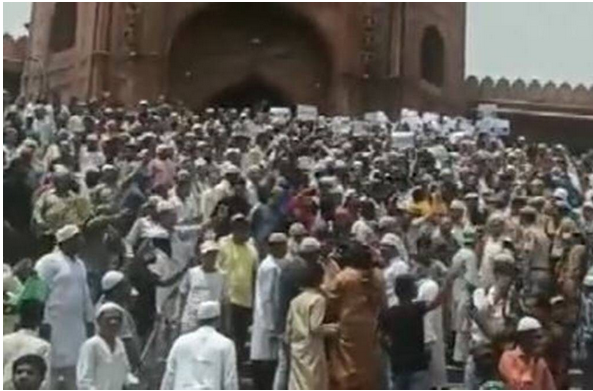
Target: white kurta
(199,287)
(264,338)
(68,307)
(201,360)
(99,368)
(396,268)
(433,334)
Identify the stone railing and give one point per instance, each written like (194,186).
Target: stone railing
(519,90)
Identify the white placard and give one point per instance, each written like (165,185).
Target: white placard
(486,110)
(280,115)
(402,140)
(377,117)
(359,128)
(306,113)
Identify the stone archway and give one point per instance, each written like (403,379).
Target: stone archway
(248,49)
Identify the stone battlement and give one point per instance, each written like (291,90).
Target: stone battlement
(533,92)
(14,49)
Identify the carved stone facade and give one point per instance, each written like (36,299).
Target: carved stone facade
(343,57)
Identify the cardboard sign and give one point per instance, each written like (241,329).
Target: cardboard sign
(403,140)
(359,128)
(280,115)
(502,127)
(486,110)
(495,126)
(376,117)
(307,113)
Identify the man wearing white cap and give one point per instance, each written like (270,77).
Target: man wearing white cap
(290,287)
(162,169)
(103,362)
(523,368)
(68,308)
(394,265)
(203,359)
(203,282)
(265,334)
(58,207)
(117,289)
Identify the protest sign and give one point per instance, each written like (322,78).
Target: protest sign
(307,113)
(376,117)
(279,115)
(403,140)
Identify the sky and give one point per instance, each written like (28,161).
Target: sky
(547,41)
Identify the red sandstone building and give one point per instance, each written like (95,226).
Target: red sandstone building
(343,57)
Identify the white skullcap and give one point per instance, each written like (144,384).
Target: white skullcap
(309,245)
(557,299)
(67,232)
(561,194)
(588,281)
(161,148)
(297,229)
(387,221)
(230,169)
(108,167)
(108,307)
(111,279)
(528,323)
(389,239)
(457,204)
(588,205)
(208,310)
(277,237)
(165,206)
(200,162)
(208,246)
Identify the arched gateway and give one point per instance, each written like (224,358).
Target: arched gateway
(243,53)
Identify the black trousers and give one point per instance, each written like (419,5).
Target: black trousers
(263,374)
(240,321)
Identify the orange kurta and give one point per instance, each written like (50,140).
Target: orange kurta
(356,298)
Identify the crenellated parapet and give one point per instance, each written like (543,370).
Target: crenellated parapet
(14,49)
(533,92)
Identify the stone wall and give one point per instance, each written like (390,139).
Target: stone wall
(561,96)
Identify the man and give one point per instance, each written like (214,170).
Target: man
(394,265)
(492,307)
(265,336)
(466,259)
(25,341)
(68,309)
(238,259)
(203,282)
(162,168)
(523,368)
(117,289)
(585,332)
(290,287)
(58,207)
(534,248)
(103,363)
(492,247)
(28,372)
(203,359)
(403,325)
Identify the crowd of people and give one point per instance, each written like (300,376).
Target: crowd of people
(156,247)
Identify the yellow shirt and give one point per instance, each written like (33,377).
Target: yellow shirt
(238,262)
